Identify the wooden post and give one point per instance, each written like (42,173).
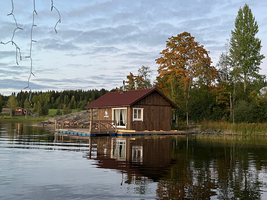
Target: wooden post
(90,147)
(99,126)
(91,120)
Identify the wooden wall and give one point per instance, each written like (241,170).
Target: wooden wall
(101,114)
(154,118)
(154,99)
(157,114)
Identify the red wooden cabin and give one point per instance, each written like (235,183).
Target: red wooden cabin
(139,110)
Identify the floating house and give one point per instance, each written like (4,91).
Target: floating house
(138,110)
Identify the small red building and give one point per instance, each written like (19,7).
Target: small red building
(20,111)
(139,110)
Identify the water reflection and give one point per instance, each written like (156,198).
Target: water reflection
(171,167)
(133,156)
(188,167)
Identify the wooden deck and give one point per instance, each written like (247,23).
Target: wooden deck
(103,128)
(149,133)
(82,132)
(88,129)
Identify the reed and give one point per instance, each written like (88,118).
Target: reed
(237,141)
(237,128)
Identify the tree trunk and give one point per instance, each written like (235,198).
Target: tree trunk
(187,118)
(245,82)
(234,102)
(231,105)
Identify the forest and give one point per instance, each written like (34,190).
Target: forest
(40,102)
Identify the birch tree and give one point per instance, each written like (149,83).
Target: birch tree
(12,103)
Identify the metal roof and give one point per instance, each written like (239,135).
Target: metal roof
(126,98)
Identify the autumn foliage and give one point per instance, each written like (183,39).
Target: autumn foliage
(183,65)
(185,59)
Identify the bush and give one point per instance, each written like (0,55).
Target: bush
(58,112)
(67,110)
(246,112)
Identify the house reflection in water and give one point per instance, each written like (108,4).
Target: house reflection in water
(137,158)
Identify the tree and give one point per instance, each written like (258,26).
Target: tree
(141,81)
(66,110)
(12,103)
(223,68)
(38,108)
(145,73)
(184,64)
(73,103)
(245,47)
(27,106)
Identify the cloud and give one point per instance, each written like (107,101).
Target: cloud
(18,84)
(5,54)
(99,42)
(53,44)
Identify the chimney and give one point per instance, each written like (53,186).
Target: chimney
(135,85)
(123,86)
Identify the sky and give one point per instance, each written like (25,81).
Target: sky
(99,42)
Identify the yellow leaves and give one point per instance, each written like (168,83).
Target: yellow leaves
(222,95)
(186,63)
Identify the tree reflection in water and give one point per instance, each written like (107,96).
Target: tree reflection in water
(190,167)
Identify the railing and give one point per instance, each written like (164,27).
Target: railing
(94,126)
(67,124)
(100,126)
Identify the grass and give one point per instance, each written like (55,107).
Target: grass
(23,118)
(52,112)
(238,128)
(236,141)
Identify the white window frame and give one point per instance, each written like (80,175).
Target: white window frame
(142,114)
(113,117)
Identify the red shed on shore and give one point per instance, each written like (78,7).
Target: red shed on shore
(20,111)
(139,110)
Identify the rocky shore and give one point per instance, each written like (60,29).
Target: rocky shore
(83,116)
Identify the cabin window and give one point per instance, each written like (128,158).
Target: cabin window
(118,149)
(138,114)
(137,154)
(120,115)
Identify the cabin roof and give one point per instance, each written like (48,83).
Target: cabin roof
(126,98)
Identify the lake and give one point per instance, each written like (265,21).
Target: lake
(36,163)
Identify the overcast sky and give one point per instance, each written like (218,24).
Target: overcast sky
(99,42)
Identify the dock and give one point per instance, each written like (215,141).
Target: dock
(148,133)
(83,132)
(86,129)
(103,128)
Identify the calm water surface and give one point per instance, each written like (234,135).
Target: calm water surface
(37,164)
